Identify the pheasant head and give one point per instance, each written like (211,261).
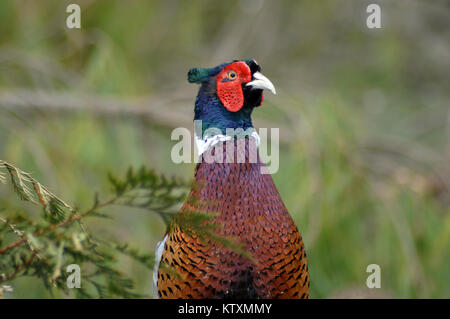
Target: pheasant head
(229,93)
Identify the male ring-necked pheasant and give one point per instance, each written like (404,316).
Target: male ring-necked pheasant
(248,204)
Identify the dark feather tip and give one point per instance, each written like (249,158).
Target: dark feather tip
(198,75)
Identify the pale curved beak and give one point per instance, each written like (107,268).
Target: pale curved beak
(261,82)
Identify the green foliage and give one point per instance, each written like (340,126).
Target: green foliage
(145,189)
(43,247)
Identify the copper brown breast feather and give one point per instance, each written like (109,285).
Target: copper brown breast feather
(250,209)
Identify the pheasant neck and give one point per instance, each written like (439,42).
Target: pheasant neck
(233,185)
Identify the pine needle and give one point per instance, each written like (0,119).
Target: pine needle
(29,189)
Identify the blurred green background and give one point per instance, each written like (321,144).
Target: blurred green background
(363,115)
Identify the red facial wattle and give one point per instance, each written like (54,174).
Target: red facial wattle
(229,85)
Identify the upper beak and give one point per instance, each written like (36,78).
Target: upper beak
(261,82)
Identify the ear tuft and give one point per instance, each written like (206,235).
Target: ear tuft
(198,75)
(253,65)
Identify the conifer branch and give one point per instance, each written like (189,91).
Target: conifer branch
(40,195)
(55,241)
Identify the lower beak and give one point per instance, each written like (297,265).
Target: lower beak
(261,82)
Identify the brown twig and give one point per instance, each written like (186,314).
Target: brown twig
(73,218)
(16,271)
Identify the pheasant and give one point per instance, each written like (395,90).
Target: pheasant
(247,204)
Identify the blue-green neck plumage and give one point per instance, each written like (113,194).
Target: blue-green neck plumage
(210,110)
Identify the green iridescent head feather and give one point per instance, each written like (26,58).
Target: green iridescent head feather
(200,75)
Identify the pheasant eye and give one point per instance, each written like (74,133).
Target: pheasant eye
(231,75)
